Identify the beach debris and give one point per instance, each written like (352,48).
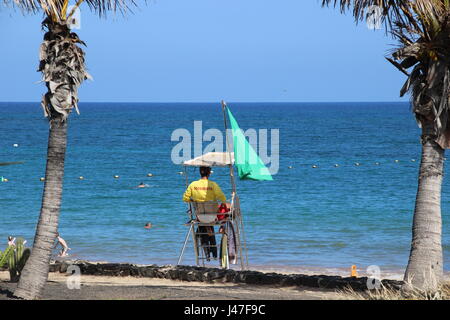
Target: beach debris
(354,271)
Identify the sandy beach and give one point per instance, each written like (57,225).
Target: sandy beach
(132,288)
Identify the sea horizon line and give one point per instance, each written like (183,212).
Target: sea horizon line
(218,102)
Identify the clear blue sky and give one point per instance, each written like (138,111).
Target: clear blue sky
(207,50)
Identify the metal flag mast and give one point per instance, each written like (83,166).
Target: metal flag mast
(234,195)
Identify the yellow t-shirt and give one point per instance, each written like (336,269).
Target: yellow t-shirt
(203,190)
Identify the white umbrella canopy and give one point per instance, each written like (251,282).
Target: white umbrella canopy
(211,159)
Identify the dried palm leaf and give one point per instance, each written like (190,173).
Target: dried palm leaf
(63,69)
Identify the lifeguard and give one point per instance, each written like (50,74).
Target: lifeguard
(203,189)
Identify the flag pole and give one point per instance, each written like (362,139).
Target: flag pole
(233,183)
(235,199)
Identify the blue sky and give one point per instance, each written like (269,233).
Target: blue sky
(208,50)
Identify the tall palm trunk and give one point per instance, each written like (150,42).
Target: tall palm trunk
(63,69)
(425,265)
(35,273)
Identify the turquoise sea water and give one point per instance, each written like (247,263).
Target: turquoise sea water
(327,217)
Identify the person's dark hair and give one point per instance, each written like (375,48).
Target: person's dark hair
(205,171)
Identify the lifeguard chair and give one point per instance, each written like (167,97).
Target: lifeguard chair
(204,217)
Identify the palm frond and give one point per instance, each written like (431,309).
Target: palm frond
(390,9)
(57,9)
(23,5)
(393,11)
(103,6)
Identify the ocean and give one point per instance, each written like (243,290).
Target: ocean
(324,218)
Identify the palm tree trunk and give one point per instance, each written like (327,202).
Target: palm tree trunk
(425,265)
(63,68)
(35,273)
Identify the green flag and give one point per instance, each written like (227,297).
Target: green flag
(247,162)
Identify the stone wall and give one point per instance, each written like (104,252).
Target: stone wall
(215,275)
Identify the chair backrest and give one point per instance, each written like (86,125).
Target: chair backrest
(206,212)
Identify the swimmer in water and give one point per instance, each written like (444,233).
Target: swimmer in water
(148,225)
(142,185)
(64,246)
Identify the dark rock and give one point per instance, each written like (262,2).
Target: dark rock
(206,276)
(272,279)
(202,274)
(160,273)
(173,274)
(229,276)
(217,275)
(124,273)
(198,275)
(54,267)
(239,277)
(253,277)
(309,281)
(183,275)
(90,269)
(63,267)
(148,272)
(141,271)
(324,281)
(109,269)
(191,275)
(134,271)
(82,266)
(288,281)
